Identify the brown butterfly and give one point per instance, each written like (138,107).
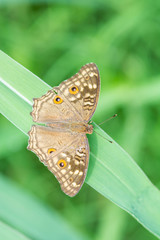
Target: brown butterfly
(65,110)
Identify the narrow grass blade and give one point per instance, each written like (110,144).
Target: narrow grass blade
(8,233)
(112,172)
(36,220)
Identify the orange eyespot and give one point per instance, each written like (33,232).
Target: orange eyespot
(57,100)
(62,163)
(50,150)
(74,90)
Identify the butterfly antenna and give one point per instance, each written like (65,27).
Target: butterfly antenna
(115,115)
(103,137)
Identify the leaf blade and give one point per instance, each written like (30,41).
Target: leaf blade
(112,172)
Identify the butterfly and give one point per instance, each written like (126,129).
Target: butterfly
(66,110)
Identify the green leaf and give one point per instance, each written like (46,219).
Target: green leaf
(36,220)
(112,172)
(8,233)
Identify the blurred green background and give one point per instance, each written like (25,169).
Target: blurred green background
(53,39)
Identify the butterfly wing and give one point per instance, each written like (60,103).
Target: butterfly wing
(48,109)
(77,98)
(65,154)
(86,86)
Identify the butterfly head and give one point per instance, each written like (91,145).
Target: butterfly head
(89,129)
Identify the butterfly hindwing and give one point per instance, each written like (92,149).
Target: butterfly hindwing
(65,154)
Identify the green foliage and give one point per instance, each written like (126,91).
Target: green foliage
(111,171)
(53,41)
(30,216)
(8,233)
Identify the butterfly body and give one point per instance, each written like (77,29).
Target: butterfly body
(79,127)
(65,110)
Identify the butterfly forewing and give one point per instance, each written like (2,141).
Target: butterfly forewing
(47,110)
(87,85)
(77,106)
